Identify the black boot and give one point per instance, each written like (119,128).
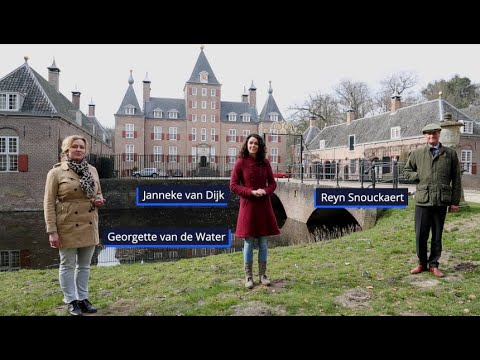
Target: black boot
(86,306)
(74,308)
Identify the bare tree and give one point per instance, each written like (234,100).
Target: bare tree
(324,108)
(355,95)
(398,84)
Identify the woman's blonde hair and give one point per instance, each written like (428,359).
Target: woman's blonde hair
(68,141)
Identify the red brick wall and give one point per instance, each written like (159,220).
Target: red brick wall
(40,139)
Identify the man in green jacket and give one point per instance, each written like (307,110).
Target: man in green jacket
(436,170)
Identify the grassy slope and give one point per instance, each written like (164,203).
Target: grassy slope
(308,279)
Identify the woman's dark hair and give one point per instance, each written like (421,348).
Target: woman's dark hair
(262,149)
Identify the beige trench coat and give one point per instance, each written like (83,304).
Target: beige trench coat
(67,209)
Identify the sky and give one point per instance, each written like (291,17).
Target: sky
(101,71)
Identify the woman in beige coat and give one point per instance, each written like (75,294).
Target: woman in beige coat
(72,196)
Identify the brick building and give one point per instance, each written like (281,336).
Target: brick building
(391,136)
(34,119)
(196,133)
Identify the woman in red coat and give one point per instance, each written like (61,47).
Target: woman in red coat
(252,179)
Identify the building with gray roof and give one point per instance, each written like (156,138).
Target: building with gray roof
(35,117)
(392,135)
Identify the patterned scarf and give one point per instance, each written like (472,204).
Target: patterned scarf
(86,181)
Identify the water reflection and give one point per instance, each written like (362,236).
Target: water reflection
(106,257)
(24,243)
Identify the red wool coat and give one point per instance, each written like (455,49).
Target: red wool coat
(255,217)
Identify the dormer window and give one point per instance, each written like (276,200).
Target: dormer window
(11,101)
(232,116)
(395,133)
(273,116)
(129,110)
(173,114)
(467,127)
(157,113)
(321,145)
(246,117)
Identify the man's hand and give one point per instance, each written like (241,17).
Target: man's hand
(453,208)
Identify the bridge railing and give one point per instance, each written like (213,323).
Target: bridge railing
(368,173)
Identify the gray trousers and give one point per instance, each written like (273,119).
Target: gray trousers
(74,272)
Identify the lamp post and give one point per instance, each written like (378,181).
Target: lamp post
(286,128)
(450,136)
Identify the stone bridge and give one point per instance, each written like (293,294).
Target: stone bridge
(297,200)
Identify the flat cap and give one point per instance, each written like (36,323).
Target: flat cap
(431,127)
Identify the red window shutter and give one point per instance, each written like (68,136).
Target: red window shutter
(123,156)
(25,258)
(178,158)
(135,157)
(242,138)
(23,163)
(190,104)
(279,140)
(189,158)
(163,136)
(152,136)
(163,158)
(226,138)
(190,90)
(216,158)
(123,133)
(216,137)
(189,137)
(279,160)
(474,168)
(269,138)
(135,134)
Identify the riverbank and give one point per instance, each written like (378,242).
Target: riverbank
(364,273)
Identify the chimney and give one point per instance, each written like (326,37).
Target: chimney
(91,109)
(395,102)
(253,95)
(54,75)
(76,99)
(244,95)
(146,89)
(350,116)
(312,121)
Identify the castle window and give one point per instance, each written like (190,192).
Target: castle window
(273,117)
(246,117)
(129,110)
(8,153)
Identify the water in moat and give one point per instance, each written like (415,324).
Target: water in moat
(24,243)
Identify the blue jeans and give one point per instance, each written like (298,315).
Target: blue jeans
(74,272)
(248,249)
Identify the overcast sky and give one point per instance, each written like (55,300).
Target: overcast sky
(100,72)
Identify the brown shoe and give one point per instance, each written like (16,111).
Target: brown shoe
(418,269)
(435,271)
